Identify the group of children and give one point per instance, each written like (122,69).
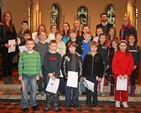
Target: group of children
(63,54)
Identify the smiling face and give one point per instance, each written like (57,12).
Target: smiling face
(8,17)
(53,47)
(42,36)
(126,21)
(24,26)
(131,39)
(104,18)
(122,46)
(30,45)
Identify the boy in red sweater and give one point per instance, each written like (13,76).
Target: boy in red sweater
(122,66)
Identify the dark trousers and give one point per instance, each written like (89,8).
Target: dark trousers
(62,85)
(51,98)
(133,77)
(90,94)
(71,96)
(7,62)
(112,80)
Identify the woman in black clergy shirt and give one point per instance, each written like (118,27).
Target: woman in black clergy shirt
(8,33)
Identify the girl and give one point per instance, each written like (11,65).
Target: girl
(103,50)
(122,66)
(9,33)
(36,34)
(134,50)
(77,27)
(98,32)
(51,36)
(111,35)
(112,51)
(66,30)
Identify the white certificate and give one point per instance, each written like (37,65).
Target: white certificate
(12,48)
(90,85)
(22,48)
(121,84)
(72,80)
(53,85)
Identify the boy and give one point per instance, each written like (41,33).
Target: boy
(71,62)
(42,47)
(26,35)
(93,68)
(61,50)
(77,40)
(52,66)
(29,71)
(24,27)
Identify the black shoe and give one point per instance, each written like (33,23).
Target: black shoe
(75,106)
(88,104)
(25,110)
(47,108)
(56,108)
(83,93)
(95,105)
(35,108)
(67,106)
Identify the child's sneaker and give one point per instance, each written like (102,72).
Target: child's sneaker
(102,94)
(124,104)
(117,104)
(39,94)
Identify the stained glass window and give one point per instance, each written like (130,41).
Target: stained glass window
(54,16)
(111,14)
(82,15)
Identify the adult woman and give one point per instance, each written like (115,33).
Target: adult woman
(7,57)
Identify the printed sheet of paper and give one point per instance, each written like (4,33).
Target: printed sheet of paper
(72,80)
(12,48)
(121,84)
(53,85)
(90,85)
(22,48)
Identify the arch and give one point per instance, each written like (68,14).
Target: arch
(109,9)
(82,15)
(55,15)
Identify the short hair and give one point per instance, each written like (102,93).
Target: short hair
(30,39)
(103,14)
(53,42)
(24,21)
(27,32)
(71,43)
(58,32)
(88,32)
(73,31)
(94,43)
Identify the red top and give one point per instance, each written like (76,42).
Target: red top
(122,64)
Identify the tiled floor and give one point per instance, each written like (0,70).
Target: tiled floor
(104,107)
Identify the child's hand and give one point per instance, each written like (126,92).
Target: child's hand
(84,78)
(135,66)
(20,78)
(120,76)
(53,77)
(50,75)
(37,78)
(125,76)
(99,79)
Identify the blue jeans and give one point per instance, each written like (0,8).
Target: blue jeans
(26,82)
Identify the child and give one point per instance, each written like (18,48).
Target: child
(52,66)
(71,62)
(86,49)
(61,50)
(122,66)
(51,36)
(42,47)
(74,38)
(26,35)
(98,32)
(77,27)
(112,51)
(29,71)
(93,68)
(103,51)
(111,35)
(66,32)
(134,50)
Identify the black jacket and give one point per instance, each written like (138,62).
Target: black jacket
(108,27)
(67,64)
(93,66)
(2,35)
(135,51)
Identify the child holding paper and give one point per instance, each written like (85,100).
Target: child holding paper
(122,67)
(52,66)
(93,69)
(71,63)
